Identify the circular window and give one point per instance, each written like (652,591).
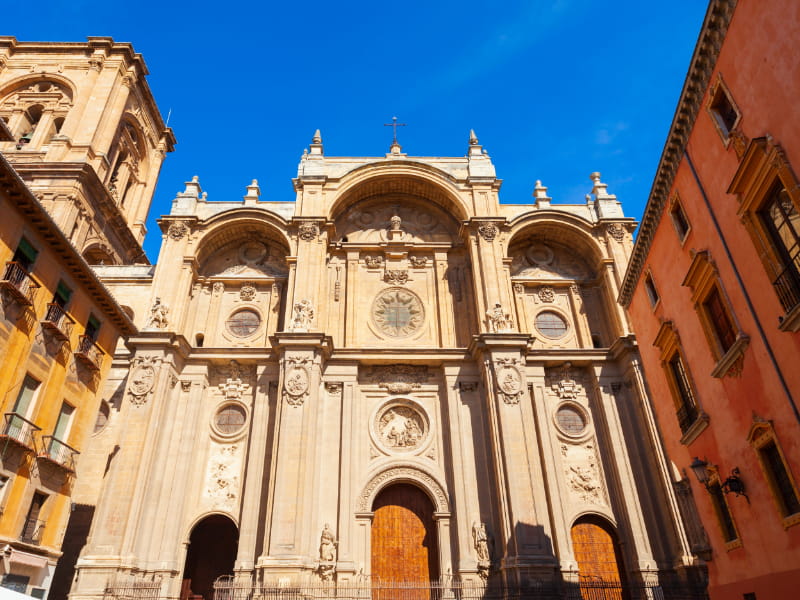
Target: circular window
(551,325)
(570,420)
(230,418)
(243,323)
(397,313)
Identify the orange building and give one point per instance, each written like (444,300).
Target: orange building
(713,290)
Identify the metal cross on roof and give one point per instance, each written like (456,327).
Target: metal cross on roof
(394,125)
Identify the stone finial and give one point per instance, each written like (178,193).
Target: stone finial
(473,139)
(192,187)
(540,194)
(600,189)
(475,148)
(316,145)
(253,192)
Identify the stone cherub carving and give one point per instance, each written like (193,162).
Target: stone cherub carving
(158,315)
(303,315)
(327,553)
(499,320)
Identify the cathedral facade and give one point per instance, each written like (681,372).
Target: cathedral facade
(393,377)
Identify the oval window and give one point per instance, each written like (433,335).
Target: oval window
(230,418)
(243,323)
(570,420)
(551,325)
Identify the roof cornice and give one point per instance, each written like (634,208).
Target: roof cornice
(706,52)
(39,219)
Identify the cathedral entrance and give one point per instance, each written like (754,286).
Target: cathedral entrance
(597,554)
(212,552)
(404,544)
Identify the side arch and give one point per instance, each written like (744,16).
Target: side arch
(559,227)
(404,474)
(234,224)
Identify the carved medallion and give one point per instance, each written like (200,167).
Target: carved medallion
(397,313)
(252,252)
(418,261)
(547,294)
(373,262)
(488,231)
(509,380)
(308,231)
(295,384)
(247,292)
(177,230)
(616,231)
(396,277)
(401,427)
(142,379)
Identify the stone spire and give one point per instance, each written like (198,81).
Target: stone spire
(540,194)
(606,204)
(316,145)
(253,193)
(475,148)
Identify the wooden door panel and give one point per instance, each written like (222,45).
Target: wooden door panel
(404,544)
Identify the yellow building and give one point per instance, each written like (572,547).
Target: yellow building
(81,146)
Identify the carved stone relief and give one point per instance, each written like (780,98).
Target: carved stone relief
(327,553)
(398,379)
(247,292)
(373,262)
(418,261)
(158,315)
(296,380)
(483,544)
(499,320)
(488,231)
(508,380)
(233,388)
(142,378)
(380,222)
(401,427)
(565,382)
(583,473)
(396,276)
(403,474)
(397,313)
(251,258)
(542,261)
(303,315)
(177,230)
(547,294)
(308,231)
(222,478)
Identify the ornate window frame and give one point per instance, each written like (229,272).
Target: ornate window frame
(761,434)
(668,341)
(703,278)
(763,166)
(726,133)
(676,208)
(719,503)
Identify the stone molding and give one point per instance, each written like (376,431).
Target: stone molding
(404,473)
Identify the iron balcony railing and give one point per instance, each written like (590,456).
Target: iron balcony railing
(58,452)
(18,282)
(787,286)
(19,430)
(58,322)
(89,353)
(32,531)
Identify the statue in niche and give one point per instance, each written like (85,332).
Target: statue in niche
(158,315)
(481,540)
(327,545)
(401,427)
(499,320)
(303,315)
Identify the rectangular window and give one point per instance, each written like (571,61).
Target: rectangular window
(687,408)
(26,254)
(18,583)
(92,327)
(781,219)
(61,430)
(720,320)
(650,288)
(679,220)
(723,110)
(779,479)
(32,530)
(62,295)
(724,517)
(24,404)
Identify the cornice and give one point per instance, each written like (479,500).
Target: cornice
(40,220)
(706,52)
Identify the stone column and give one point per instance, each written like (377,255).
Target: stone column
(291,515)
(491,283)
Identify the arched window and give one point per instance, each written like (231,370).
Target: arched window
(35,112)
(128,160)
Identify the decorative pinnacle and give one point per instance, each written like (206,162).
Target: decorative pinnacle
(317,139)
(473,139)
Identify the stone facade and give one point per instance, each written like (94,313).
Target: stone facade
(393,324)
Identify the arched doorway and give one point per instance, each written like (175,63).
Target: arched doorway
(599,563)
(212,552)
(404,541)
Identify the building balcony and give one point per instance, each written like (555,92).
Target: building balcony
(687,415)
(787,286)
(89,353)
(58,322)
(59,453)
(18,283)
(32,532)
(19,431)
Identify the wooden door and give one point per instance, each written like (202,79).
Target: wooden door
(404,545)
(597,554)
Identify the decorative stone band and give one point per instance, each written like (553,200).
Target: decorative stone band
(400,474)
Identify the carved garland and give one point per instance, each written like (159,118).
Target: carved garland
(398,379)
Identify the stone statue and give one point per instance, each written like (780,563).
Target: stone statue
(303,315)
(158,315)
(327,545)
(499,320)
(481,540)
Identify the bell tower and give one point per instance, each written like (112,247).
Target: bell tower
(89,139)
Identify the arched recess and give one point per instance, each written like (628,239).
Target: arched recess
(400,178)
(595,546)
(35,107)
(129,158)
(98,254)
(213,544)
(404,474)
(560,278)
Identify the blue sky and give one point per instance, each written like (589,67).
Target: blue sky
(554,90)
